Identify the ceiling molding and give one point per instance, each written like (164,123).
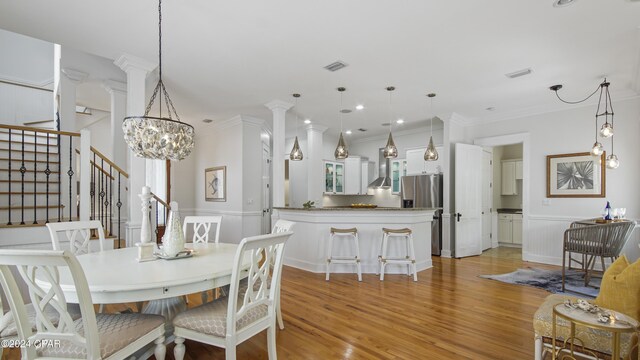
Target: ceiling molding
(76,76)
(114,86)
(278,105)
(46,84)
(128,62)
(381,137)
(252,120)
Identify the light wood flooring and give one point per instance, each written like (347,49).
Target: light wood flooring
(450,313)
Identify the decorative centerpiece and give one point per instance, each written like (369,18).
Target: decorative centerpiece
(309,204)
(173,239)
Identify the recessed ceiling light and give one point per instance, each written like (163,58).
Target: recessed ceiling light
(207,121)
(561,3)
(385,124)
(345,111)
(400,121)
(307,121)
(359,107)
(348,132)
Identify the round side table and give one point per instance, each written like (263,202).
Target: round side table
(621,324)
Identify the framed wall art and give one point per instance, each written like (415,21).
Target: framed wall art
(579,175)
(215,183)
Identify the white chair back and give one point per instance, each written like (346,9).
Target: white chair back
(282,226)
(202,227)
(46,266)
(262,279)
(78,233)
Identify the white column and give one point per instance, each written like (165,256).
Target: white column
(279,109)
(118,92)
(315,174)
(67,110)
(85,175)
(137,70)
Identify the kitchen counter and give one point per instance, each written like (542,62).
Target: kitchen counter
(348,208)
(509,211)
(307,247)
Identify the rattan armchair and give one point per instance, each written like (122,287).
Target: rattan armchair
(591,240)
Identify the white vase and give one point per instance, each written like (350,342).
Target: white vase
(173,239)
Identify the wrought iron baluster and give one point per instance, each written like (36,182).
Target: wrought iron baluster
(157,223)
(119,205)
(101,189)
(35,176)
(47,172)
(110,201)
(10,150)
(23,170)
(70,173)
(92,190)
(103,195)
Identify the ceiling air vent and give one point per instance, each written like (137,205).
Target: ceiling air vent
(519,73)
(362,130)
(336,66)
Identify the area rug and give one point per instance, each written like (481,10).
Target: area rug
(550,280)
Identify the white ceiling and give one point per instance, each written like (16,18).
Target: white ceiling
(222,58)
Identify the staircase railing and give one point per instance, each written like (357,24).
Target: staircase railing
(41,175)
(105,176)
(160,208)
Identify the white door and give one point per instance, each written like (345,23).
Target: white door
(266,189)
(487,197)
(468,203)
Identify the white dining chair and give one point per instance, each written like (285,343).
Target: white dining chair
(78,234)
(202,228)
(248,310)
(279,227)
(93,336)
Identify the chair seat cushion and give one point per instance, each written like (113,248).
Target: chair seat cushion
(211,318)
(598,340)
(115,332)
(8,326)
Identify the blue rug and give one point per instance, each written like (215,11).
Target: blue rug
(551,281)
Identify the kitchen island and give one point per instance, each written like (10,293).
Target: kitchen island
(307,247)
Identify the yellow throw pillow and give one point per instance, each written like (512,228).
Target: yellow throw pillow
(620,288)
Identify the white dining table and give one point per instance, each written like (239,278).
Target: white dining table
(115,276)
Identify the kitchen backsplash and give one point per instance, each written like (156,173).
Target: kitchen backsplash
(381,197)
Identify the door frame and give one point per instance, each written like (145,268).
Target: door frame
(488,150)
(524,139)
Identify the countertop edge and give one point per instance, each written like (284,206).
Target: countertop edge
(356,209)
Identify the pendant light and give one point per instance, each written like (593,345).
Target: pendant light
(296,153)
(341,150)
(431,154)
(390,150)
(606,131)
(159,137)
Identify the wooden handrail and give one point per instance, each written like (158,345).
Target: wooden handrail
(161,201)
(32,129)
(102,170)
(118,169)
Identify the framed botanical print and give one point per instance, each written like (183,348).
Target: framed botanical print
(215,183)
(579,175)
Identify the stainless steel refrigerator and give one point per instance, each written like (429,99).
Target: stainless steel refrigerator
(425,191)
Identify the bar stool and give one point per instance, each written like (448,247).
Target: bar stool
(410,259)
(350,233)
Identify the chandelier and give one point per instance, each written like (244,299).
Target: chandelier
(341,149)
(390,150)
(296,152)
(431,154)
(606,131)
(163,138)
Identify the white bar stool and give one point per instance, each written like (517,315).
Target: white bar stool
(350,233)
(410,259)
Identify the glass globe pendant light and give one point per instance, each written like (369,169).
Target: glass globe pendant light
(431,154)
(612,160)
(341,150)
(296,153)
(390,150)
(159,137)
(606,130)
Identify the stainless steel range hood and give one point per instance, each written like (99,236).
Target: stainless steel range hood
(383,181)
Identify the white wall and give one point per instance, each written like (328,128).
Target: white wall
(572,131)
(298,174)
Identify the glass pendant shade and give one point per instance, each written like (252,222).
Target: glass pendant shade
(390,150)
(606,130)
(612,161)
(161,138)
(341,150)
(597,149)
(431,154)
(296,153)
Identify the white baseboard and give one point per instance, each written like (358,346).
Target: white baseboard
(351,269)
(445,253)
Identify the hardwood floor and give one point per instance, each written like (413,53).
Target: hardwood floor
(450,313)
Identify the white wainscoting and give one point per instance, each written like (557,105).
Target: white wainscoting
(546,234)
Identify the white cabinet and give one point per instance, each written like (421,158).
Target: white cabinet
(511,171)
(353,175)
(416,164)
(333,177)
(510,228)
(398,170)
(367,175)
